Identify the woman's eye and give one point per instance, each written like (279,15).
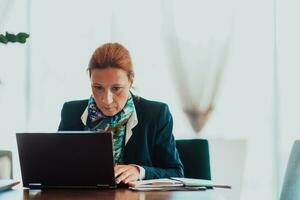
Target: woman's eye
(115,89)
(99,88)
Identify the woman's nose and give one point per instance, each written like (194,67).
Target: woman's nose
(107,98)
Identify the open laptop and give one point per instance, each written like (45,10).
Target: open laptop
(66,160)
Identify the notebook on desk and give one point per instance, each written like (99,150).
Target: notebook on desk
(7,184)
(175,183)
(66,160)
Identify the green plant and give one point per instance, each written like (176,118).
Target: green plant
(10,37)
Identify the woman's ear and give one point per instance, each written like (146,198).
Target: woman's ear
(131,79)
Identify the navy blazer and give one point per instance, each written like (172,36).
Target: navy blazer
(151,146)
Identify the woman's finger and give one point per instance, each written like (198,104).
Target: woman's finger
(124,175)
(132,177)
(119,169)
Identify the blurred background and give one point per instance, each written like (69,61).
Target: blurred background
(227,69)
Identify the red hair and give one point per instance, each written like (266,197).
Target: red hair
(112,55)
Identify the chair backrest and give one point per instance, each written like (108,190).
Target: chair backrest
(194,155)
(6,171)
(291,184)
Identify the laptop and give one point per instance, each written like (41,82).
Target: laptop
(66,160)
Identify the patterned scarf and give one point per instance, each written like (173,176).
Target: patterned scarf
(116,124)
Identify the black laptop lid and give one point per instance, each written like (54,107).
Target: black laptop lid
(66,159)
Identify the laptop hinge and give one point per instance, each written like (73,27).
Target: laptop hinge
(35,185)
(104,186)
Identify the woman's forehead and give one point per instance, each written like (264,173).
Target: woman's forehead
(109,76)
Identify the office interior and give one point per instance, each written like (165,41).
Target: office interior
(227,69)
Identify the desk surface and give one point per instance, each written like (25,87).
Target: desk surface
(118,194)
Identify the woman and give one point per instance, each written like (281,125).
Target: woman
(144,146)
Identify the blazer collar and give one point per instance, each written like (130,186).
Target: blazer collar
(132,121)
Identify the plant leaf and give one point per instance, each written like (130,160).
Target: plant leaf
(11,37)
(3,39)
(21,37)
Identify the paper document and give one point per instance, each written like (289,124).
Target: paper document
(163,182)
(174,183)
(7,184)
(168,188)
(192,182)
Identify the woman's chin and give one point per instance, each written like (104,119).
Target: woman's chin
(109,113)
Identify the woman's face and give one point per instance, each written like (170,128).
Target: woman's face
(110,88)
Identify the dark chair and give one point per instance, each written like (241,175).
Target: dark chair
(6,155)
(194,155)
(291,183)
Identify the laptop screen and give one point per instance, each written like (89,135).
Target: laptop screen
(70,159)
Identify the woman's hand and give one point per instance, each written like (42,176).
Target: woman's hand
(126,173)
